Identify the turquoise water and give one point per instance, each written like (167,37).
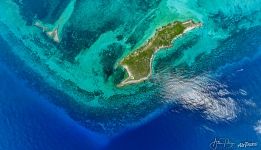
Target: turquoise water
(80,73)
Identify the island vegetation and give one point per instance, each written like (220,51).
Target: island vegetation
(138,64)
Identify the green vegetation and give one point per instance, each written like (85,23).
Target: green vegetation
(138,63)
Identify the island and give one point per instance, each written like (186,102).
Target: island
(139,63)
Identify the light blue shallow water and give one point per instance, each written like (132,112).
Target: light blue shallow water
(206,86)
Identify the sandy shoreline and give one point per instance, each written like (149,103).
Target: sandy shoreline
(52,34)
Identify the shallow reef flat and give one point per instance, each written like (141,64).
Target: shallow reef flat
(138,64)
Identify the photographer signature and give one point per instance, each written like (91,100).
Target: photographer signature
(225,143)
(221,143)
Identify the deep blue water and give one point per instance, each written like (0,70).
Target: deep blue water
(44,107)
(30,122)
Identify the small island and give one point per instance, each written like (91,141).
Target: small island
(54,31)
(139,63)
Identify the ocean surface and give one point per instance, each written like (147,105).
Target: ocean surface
(62,95)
